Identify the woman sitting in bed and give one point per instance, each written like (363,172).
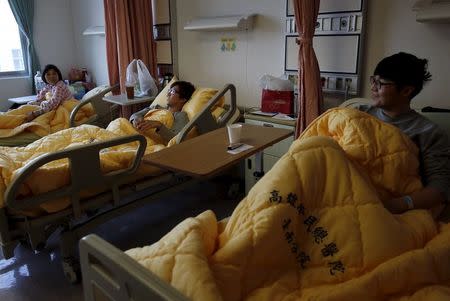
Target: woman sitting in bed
(52,95)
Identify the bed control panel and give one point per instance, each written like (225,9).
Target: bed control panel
(338,44)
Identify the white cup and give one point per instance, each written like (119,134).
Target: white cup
(234,133)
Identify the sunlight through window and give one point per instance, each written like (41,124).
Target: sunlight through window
(11,52)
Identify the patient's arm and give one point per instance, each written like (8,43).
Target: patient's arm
(180,120)
(426,198)
(138,116)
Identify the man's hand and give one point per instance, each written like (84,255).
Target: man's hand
(426,198)
(144,125)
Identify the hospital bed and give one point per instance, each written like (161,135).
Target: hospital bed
(103,114)
(118,195)
(108,271)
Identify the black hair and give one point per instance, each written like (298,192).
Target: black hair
(48,68)
(186,89)
(404,69)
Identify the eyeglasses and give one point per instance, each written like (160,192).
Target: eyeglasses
(377,83)
(172,91)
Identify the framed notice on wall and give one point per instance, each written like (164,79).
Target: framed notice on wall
(335,53)
(289,8)
(338,42)
(329,6)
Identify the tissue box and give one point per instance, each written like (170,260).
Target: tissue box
(277,101)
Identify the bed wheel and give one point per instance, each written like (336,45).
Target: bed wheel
(72,271)
(26,244)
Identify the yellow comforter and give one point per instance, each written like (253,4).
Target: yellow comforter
(314,227)
(56,173)
(12,122)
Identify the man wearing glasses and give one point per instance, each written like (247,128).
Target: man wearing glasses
(396,80)
(179,93)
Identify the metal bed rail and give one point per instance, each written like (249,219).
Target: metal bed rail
(107,271)
(102,108)
(85,172)
(204,121)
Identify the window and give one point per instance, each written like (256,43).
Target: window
(12,59)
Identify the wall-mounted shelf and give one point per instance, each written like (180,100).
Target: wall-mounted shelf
(243,22)
(94,30)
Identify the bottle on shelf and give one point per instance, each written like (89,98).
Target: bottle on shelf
(38,82)
(85,74)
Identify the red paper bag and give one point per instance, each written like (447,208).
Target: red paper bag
(277,101)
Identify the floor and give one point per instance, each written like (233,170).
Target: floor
(39,276)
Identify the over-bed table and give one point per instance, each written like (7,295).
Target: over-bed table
(106,268)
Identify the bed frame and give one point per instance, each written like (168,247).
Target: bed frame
(103,110)
(110,274)
(118,198)
(107,271)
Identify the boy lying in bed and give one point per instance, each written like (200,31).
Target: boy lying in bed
(397,79)
(179,93)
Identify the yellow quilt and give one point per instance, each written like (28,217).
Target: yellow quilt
(12,122)
(56,173)
(314,227)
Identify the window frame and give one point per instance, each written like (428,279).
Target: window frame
(24,46)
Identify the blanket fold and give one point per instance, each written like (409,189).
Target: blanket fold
(12,122)
(56,173)
(315,228)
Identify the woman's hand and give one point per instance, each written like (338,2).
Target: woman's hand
(30,116)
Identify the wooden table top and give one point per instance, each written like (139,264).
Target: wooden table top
(206,155)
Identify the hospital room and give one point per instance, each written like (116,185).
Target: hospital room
(224,150)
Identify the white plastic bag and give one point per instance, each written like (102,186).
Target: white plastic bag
(273,83)
(139,76)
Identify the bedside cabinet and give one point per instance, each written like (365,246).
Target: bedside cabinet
(271,154)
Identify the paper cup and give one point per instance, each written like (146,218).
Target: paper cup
(234,133)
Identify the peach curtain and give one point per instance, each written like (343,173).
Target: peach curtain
(128,29)
(309,85)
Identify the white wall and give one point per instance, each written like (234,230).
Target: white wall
(258,52)
(392,27)
(53,34)
(54,41)
(90,50)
